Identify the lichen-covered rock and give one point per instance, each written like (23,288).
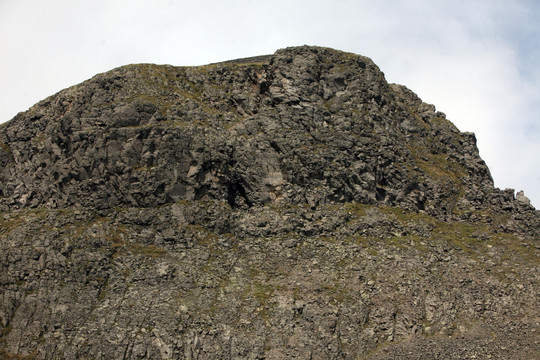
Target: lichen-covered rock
(287,206)
(305,125)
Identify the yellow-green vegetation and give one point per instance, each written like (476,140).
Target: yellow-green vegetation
(39,139)
(336,292)
(456,233)
(449,174)
(5,331)
(168,87)
(357,209)
(262,292)
(142,168)
(4,354)
(103,291)
(8,223)
(437,166)
(117,235)
(152,251)
(12,220)
(202,234)
(5,147)
(441,122)
(471,238)
(511,246)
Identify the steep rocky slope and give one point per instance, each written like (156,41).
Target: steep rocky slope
(294,205)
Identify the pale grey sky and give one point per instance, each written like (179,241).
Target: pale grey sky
(475,60)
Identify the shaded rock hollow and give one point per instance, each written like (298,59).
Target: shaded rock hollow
(294,205)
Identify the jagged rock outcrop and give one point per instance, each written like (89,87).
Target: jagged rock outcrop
(294,205)
(308,125)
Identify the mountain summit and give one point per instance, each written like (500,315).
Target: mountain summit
(288,206)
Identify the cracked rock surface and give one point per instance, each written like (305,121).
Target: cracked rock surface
(289,206)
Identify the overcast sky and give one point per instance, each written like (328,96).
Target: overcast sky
(478,61)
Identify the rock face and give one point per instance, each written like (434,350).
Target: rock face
(294,205)
(303,126)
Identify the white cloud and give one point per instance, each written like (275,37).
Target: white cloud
(475,60)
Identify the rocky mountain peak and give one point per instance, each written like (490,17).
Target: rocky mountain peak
(305,125)
(292,205)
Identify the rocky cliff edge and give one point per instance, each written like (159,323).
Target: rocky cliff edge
(294,205)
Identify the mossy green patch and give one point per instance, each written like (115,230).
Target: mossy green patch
(4,354)
(336,292)
(5,147)
(152,251)
(262,292)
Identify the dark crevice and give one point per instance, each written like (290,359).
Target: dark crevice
(264,87)
(380,194)
(236,195)
(421,204)
(275,146)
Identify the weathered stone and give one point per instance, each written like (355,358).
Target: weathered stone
(294,205)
